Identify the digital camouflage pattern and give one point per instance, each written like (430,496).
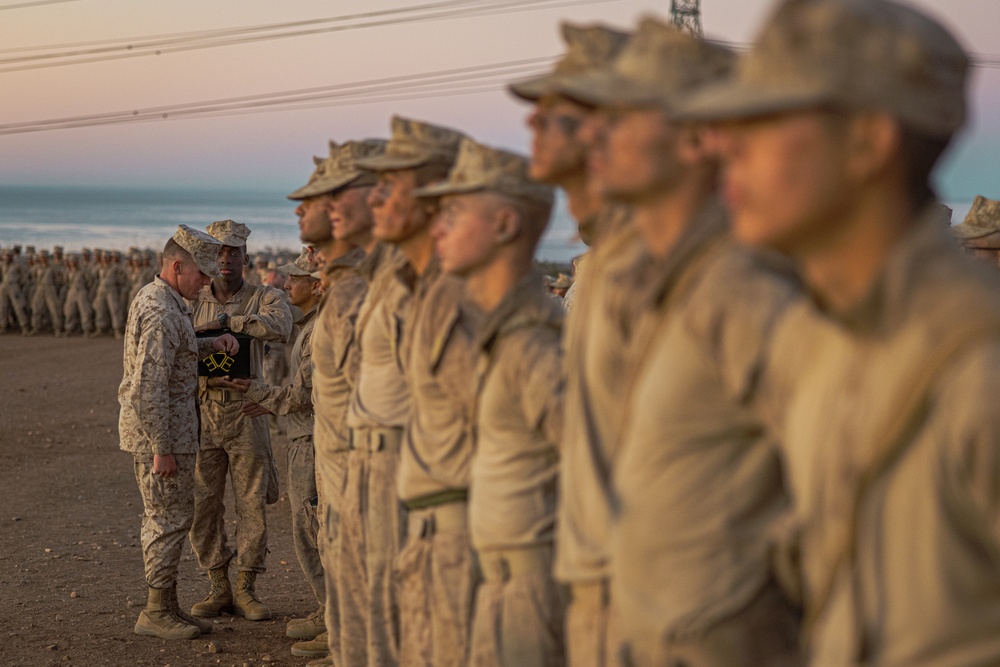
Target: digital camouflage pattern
(159,412)
(232,444)
(168,507)
(519,395)
(693,454)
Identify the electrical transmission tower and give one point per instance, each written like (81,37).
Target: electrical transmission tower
(687,15)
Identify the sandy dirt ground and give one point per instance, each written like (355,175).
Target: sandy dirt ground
(71,579)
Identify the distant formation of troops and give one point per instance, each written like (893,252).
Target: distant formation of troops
(86,293)
(761,432)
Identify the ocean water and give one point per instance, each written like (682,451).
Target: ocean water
(114,218)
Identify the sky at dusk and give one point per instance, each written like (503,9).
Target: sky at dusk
(273,150)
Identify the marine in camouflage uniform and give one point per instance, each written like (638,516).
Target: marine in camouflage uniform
(518,403)
(12,293)
(158,422)
(295,401)
(886,379)
(47,298)
(403,583)
(78,313)
(595,359)
(109,300)
(336,188)
(232,443)
(689,453)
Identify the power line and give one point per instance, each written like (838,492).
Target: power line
(179,42)
(454,81)
(36,3)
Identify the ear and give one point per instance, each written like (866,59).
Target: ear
(507,224)
(873,142)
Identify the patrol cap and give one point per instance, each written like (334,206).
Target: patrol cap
(414,144)
(29,249)
(983,219)
(660,66)
(57,250)
(563,282)
(204,249)
(85,251)
(300,267)
(851,54)
(482,168)
(340,169)
(587,48)
(230,233)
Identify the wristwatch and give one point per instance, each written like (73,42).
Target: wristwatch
(223,320)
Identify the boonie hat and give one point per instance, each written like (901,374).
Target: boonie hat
(202,247)
(659,66)
(587,48)
(230,233)
(983,219)
(414,144)
(340,169)
(300,267)
(853,54)
(482,168)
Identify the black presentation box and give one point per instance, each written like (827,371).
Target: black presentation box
(220,363)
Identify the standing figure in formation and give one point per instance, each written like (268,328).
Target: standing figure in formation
(492,218)
(12,287)
(78,314)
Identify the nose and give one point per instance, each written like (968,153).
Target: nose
(534,120)
(300,210)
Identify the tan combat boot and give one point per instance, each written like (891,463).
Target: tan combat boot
(204,626)
(314,648)
(220,598)
(159,620)
(246,603)
(308,627)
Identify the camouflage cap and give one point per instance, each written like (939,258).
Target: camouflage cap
(660,66)
(853,54)
(299,267)
(562,282)
(29,249)
(230,233)
(482,168)
(57,250)
(414,144)
(340,169)
(587,48)
(983,219)
(204,249)
(85,251)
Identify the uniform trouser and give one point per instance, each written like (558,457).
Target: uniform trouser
(10,299)
(764,632)
(301,491)
(519,610)
(383,524)
(587,616)
(78,312)
(331,473)
(46,302)
(248,473)
(351,574)
(108,311)
(438,575)
(168,506)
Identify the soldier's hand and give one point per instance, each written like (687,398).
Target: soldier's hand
(226,343)
(255,410)
(165,465)
(236,384)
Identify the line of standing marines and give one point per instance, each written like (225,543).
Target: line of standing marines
(763,436)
